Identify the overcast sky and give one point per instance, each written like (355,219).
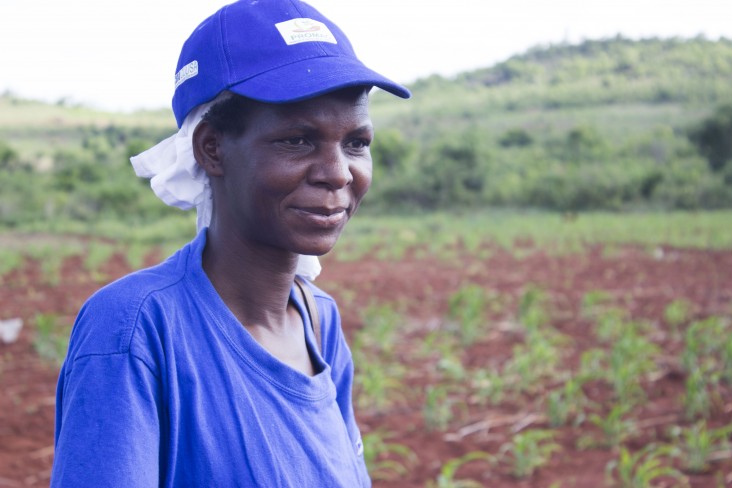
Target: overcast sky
(121,55)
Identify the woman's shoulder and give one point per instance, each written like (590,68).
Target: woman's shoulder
(325,302)
(321,294)
(109,318)
(132,289)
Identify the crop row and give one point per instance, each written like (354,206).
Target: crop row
(596,392)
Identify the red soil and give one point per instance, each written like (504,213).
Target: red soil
(643,283)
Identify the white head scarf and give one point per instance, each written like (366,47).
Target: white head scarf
(178,180)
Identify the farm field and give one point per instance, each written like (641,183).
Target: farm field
(496,350)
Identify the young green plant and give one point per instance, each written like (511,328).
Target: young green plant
(51,340)
(699,445)
(467,307)
(643,468)
(529,451)
(446,478)
(614,426)
(437,410)
(386,460)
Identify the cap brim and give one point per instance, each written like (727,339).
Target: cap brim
(313,77)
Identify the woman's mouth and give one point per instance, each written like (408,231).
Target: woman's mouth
(323,216)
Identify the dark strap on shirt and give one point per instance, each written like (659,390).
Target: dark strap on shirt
(308,299)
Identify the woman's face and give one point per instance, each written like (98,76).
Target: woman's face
(298,172)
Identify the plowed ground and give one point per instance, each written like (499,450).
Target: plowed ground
(420,285)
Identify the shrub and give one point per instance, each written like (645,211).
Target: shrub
(713,137)
(515,137)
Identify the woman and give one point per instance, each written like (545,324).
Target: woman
(205,370)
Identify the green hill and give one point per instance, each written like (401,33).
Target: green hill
(605,124)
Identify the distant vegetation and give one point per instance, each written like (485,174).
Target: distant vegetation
(72,163)
(612,124)
(604,125)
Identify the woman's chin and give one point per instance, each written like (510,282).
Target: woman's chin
(317,251)
(317,246)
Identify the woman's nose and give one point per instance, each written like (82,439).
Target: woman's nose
(332,168)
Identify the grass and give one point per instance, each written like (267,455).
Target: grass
(705,230)
(51,243)
(136,253)
(173,230)
(97,254)
(10,260)
(51,341)
(51,258)
(443,230)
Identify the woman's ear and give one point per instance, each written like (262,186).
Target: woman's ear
(207,149)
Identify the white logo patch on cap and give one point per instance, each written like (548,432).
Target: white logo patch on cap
(295,31)
(186,72)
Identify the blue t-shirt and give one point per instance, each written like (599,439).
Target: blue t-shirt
(162,386)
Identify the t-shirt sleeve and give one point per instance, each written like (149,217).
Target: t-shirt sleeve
(109,427)
(108,402)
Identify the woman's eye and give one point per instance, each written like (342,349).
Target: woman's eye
(359,143)
(295,141)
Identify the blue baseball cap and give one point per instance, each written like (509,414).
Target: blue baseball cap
(273,51)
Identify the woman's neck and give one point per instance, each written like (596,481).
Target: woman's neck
(253,281)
